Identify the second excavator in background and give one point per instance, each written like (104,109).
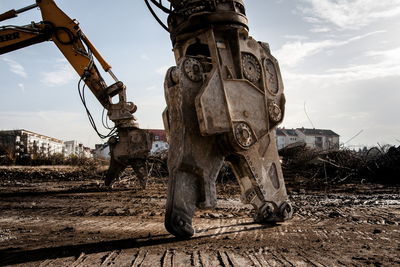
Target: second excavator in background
(129,145)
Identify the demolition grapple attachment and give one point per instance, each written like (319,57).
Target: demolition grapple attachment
(129,148)
(224,100)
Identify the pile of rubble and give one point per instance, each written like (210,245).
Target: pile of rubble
(300,163)
(49,173)
(377,165)
(157,164)
(384,166)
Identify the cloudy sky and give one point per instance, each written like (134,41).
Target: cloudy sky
(340,61)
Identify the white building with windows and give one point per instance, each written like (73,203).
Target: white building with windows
(313,138)
(23,143)
(319,138)
(26,143)
(286,137)
(159,141)
(73,147)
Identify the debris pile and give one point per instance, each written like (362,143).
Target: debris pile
(312,166)
(157,164)
(299,163)
(48,173)
(384,166)
(341,166)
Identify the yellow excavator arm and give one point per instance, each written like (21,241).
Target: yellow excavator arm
(130,145)
(75,46)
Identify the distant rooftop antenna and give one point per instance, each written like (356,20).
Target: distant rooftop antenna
(354,136)
(305,111)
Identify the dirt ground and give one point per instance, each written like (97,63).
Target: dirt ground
(63,219)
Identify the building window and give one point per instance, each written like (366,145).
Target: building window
(318,141)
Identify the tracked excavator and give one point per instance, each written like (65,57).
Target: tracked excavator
(224,100)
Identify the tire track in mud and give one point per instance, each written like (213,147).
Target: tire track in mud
(222,257)
(225,258)
(125,228)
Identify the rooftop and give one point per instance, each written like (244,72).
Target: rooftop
(22,131)
(317,132)
(286,132)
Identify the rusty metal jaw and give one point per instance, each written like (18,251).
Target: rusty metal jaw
(195,158)
(260,177)
(130,147)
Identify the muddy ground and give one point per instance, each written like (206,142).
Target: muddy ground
(59,217)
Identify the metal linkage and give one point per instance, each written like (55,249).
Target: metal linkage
(14,13)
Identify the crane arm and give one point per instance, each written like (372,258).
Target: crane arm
(76,48)
(15,37)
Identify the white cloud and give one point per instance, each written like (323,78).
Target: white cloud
(320,30)
(360,115)
(15,67)
(62,74)
(391,55)
(350,14)
(346,74)
(387,65)
(22,87)
(348,87)
(292,53)
(296,37)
